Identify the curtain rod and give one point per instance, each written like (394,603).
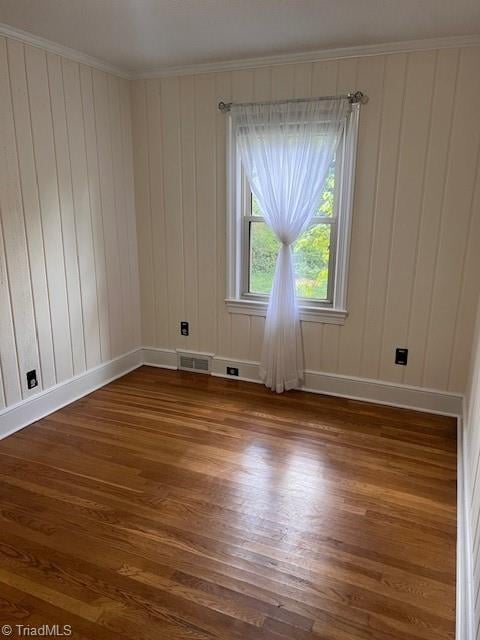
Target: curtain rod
(354,97)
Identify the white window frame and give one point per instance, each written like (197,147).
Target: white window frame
(333,311)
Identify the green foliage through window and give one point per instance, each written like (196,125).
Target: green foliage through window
(311,252)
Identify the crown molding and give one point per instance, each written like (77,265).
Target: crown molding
(59,49)
(360,51)
(312,56)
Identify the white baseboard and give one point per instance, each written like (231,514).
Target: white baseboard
(247,369)
(37,406)
(377,391)
(42,404)
(465,628)
(382,392)
(163,358)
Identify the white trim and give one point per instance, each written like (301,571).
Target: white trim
(363,389)
(360,51)
(189,352)
(42,404)
(465,627)
(61,50)
(382,392)
(163,358)
(345,209)
(234,203)
(356,388)
(325,315)
(352,387)
(247,369)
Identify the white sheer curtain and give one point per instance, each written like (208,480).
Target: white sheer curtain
(286,150)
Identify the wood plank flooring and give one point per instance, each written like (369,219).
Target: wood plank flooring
(170,505)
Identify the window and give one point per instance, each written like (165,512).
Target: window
(320,254)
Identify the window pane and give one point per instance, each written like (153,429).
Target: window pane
(256,210)
(325,207)
(311,255)
(264,247)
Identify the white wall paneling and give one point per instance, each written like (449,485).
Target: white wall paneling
(69,263)
(68,251)
(413,260)
(22,350)
(468,565)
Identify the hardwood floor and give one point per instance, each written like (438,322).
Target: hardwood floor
(170,505)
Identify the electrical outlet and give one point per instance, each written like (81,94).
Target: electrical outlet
(232,371)
(184,328)
(401,356)
(32,381)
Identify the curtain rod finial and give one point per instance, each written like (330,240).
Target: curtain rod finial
(224,106)
(358,97)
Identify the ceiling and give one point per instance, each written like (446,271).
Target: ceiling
(143,35)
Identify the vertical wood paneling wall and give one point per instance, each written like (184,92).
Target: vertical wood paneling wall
(471,447)
(414,260)
(69,297)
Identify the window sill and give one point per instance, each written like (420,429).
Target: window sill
(307,314)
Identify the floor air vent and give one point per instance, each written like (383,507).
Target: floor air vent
(197,363)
